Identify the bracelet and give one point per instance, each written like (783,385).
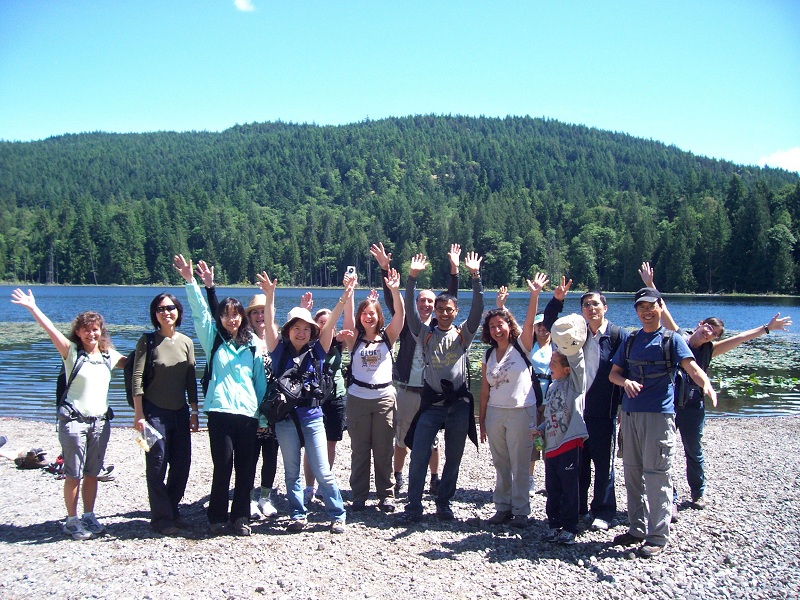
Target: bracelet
(342,301)
(766,329)
(194,412)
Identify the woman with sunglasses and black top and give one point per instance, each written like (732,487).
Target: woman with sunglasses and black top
(163,391)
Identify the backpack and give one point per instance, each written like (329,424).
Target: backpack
(147,375)
(207,372)
(668,362)
(537,388)
(349,379)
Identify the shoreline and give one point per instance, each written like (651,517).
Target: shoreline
(747,543)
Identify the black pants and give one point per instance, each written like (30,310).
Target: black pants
(232,439)
(173,451)
(268,448)
(561,477)
(598,450)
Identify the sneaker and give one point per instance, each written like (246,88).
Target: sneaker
(399,483)
(296,525)
(626,539)
(255,511)
(91,524)
(650,550)
(387,505)
(408,518)
(242,526)
(358,505)
(105,475)
(76,529)
(308,495)
(699,503)
(674,517)
(519,521)
(551,536)
(565,537)
(600,525)
(337,526)
(531,487)
(267,508)
(444,512)
(218,528)
(435,481)
(501,517)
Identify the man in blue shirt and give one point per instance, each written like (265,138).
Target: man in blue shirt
(645,369)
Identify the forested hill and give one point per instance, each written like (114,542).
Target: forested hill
(304,201)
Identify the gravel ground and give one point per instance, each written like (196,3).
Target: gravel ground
(746,544)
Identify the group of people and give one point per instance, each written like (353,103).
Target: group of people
(556,388)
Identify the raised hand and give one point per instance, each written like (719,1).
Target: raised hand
(455,257)
(205,273)
(561,291)
(502,296)
(647,274)
(418,264)
(379,254)
(373,294)
(473,262)
(183,267)
(23,299)
(267,286)
(775,324)
(307,301)
(392,280)
(539,282)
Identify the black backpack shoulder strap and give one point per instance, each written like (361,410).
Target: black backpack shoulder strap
(615,335)
(79,360)
(629,344)
(666,348)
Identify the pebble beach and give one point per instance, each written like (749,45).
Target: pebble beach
(745,544)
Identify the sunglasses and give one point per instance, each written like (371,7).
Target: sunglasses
(163,309)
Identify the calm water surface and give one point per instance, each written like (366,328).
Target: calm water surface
(759,378)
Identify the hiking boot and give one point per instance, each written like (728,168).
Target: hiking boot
(267,508)
(399,483)
(435,481)
(519,521)
(699,503)
(92,525)
(674,517)
(531,487)
(358,505)
(501,517)
(76,529)
(218,528)
(551,536)
(337,526)
(444,512)
(242,527)
(408,518)
(600,525)
(308,495)
(296,525)
(566,538)
(255,511)
(387,505)
(650,550)
(626,539)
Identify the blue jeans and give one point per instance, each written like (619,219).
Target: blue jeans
(690,422)
(455,419)
(173,450)
(316,445)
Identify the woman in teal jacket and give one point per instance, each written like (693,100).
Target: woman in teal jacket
(235,390)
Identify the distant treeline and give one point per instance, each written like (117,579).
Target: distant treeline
(304,201)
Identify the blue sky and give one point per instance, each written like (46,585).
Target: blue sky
(717,78)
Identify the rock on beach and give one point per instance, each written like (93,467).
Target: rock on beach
(745,544)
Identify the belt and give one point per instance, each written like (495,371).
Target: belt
(417,389)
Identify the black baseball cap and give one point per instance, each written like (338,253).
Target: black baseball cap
(647,294)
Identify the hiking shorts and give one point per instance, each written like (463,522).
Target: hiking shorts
(83,444)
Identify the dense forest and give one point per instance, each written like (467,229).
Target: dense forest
(305,201)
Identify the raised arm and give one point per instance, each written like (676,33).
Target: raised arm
(271,332)
(454,256)
(350,311)
(326,334)
(502,296)
(59,340)
(206,275)
(383,259)
(473,263)
(647,273)
(415,267)
(537,285)
(556,304)
(392,281)
(777,323)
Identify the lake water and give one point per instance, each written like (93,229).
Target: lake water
(760,378)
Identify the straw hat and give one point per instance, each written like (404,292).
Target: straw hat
(257,301)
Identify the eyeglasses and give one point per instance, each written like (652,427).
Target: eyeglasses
(227,317)
(445,310)
(168,308)
(591,304)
